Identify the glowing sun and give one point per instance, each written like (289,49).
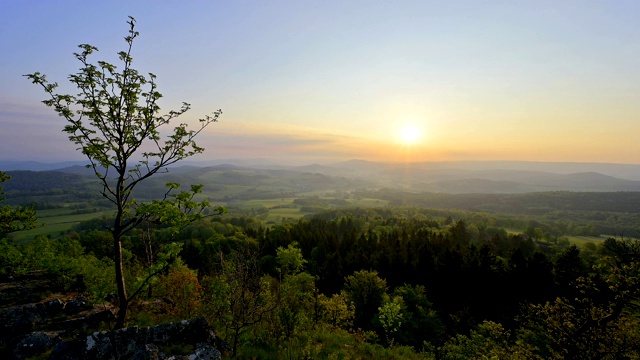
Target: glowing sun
(409,134)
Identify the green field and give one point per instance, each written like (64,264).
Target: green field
(55,221)
(272,211)
(368,203)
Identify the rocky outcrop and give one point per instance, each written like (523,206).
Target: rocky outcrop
(37,342)
(27,288)
(38,320)
(187,339)
(23,318)
(29,329)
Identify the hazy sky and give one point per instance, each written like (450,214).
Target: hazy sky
(326,80)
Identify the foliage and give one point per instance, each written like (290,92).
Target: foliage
(420,322)
(182,290)
(601,315)
(553,213)
(336,311)
(11,259)
(390,316)
(204,240)
(330,344)
(290,260)
(238,296)
(14,218)
(365,290)
(463,290)
(114,120)
(488,340)
(296,299)
(64,259)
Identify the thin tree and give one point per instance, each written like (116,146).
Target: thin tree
(115,121)
(240,295)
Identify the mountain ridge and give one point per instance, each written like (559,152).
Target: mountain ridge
(446,177)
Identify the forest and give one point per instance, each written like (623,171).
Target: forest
(392,282)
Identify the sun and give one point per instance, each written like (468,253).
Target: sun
(409,134)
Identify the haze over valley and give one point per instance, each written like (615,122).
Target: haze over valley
(440,177)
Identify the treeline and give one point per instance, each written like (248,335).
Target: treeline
(52,190)
(537,203)
(559,212)
(34,181)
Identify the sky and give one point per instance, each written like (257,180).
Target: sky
(322,81)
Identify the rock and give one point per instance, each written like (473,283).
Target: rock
(148,352)
(205,352)
(69,350)
(98,346)
(27,288)
(36,343)
(148,343)
(53,307)
(24,308)
(76,305)
(84,323)
(19,319)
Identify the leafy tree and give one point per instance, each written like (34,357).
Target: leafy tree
(296,302)
(419,321)
(599,319)
(390,316)
(238,296)
(14,218)
(290,260)
(115,121)
(365,289)
(336,311)
(183,290)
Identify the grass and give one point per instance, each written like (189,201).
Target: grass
(268,203)
(368,202)
(55,221)
(277,209)
(512,231)
(577,240)
(581,240)
(284,213)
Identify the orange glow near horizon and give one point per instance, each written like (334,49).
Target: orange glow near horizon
(404,141)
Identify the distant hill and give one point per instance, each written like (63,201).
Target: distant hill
(42,180)
(8,165)
(493,177)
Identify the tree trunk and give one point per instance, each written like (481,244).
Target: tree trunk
(236,335)
(123,300)
(122,290)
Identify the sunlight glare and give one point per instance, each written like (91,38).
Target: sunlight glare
(409,134)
